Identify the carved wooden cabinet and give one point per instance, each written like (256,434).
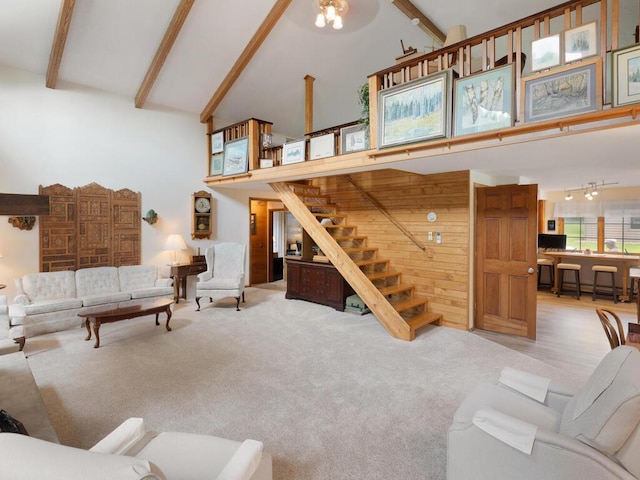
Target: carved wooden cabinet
(316,282)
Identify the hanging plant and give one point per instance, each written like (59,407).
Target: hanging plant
(363,98)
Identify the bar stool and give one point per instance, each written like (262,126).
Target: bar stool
(605,269)
(562,267)
(634,275)
(545,262)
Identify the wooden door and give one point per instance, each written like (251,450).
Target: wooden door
(259,241)
(506,259)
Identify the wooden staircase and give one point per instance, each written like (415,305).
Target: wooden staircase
(394,304)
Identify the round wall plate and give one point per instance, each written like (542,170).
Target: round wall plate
(431,216)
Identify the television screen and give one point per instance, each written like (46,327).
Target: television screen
(547,240)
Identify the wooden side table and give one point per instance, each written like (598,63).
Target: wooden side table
(180,272)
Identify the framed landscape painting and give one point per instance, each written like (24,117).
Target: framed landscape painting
(215,167)
(581,42)
(353,138)
(570,91)
(626,76)
(293,152)
(217,142)
(484,101)
(545,52)
(236,157)
(414,111)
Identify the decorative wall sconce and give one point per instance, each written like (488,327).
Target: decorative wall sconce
(151,217)
(23,223)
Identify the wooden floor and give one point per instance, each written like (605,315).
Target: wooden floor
(569,333)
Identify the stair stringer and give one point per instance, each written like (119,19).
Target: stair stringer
(386,314)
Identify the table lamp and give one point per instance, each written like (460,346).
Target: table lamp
(175,242)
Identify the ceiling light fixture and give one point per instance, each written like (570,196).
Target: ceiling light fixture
(331,13)
(590,191)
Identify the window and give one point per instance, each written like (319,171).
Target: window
(622,234)
(582,232)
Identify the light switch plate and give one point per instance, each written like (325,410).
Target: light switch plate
(438,238)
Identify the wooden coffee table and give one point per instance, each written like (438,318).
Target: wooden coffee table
(114,312)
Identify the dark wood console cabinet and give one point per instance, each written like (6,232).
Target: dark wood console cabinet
(317,282)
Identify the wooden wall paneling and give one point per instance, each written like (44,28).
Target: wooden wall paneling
(58,243)
(441,272)
(126,208)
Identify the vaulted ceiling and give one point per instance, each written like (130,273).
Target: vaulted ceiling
(248,58)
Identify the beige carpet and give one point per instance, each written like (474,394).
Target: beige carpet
(331,394)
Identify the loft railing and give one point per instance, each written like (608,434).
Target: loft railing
(512,44)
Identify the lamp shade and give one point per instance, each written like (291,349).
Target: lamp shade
(175,242)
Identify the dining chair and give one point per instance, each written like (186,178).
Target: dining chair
(615,337)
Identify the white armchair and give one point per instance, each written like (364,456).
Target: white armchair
(132,452)
(529,429)
(224,276)
(11,330)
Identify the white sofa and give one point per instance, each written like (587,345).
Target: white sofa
(50,301)
(132,452)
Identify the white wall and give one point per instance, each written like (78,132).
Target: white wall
(75,136)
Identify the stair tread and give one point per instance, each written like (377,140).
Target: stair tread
(350,237)
(360,249)
(363,263)
(329,215)
(395,289)
(340,226)
(424,319)
(409,303)
(380,275)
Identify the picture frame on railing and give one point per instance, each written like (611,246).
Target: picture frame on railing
(626,75)
(581,42)
(215,165)
(545,53)
(415,111)
(353,138)
(484,101)
(293,152)
(236,157)
(570,90)
(322,146)
(217,142)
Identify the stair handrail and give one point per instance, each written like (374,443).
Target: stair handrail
(384,211)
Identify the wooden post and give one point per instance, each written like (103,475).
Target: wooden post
(308,103)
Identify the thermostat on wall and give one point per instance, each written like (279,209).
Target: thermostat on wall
(431,216)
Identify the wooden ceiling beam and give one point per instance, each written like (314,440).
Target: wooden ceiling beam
(59,40)
(17,204)
(245,57)
(411,11)
(179,17)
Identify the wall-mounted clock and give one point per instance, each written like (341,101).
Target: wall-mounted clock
(201,216)
(203,205)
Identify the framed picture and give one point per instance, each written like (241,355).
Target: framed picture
(626,75)
(570,91)
(236,157)
(353,138)
(293,152)
(551,225)
(581,42)
(322,146)
(414,111)
(484,101)
(253,224)
(217,142)
(215,166)
(545,53)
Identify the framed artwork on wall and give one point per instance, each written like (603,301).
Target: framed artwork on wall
(626,75)
(545,53)
(353,138)
(215,165)
(570,90)
(293,152)
(484,101)
(414,111)
(322,146)
(236,157)
(581,42)
(217,142)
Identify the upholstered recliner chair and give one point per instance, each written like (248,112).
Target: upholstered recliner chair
(224,276)
(132,452)
(526,428)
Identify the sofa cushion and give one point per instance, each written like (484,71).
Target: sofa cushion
(29,458)
(152,292)
(97,281)
(606,412)
(136,277)
(52,305)
(102,298)
(49,285)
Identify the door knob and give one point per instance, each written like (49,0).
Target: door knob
(530,270)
